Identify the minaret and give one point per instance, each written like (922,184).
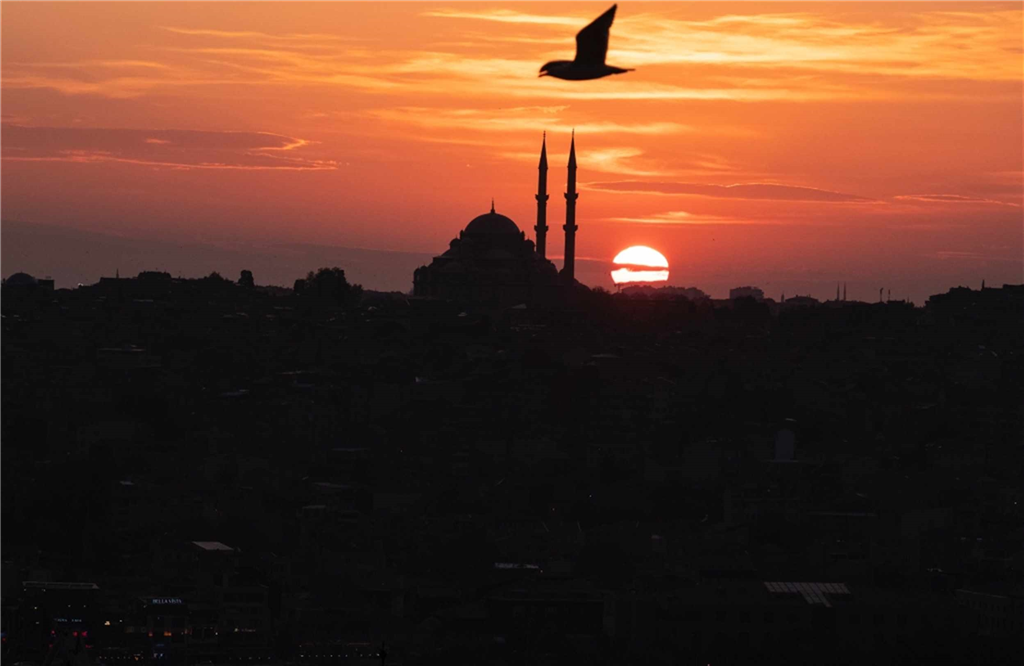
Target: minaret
(542,200)
(837,291)
(569,267)
(844,291)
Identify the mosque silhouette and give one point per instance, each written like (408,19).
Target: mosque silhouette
(493,261)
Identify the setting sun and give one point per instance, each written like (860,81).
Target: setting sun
(640,264)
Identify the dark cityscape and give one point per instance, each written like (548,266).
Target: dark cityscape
(210,470)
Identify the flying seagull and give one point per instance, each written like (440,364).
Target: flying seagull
(591,49)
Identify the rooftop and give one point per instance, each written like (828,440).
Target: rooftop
(212,545)
(46,585)
(813,593)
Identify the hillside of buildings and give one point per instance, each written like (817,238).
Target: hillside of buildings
(215,471)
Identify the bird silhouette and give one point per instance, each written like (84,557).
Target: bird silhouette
(591,50)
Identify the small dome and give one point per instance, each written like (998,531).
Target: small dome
(25,280)
(492,224)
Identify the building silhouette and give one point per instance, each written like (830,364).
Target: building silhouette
(492,260)
(23,283)
(746,292)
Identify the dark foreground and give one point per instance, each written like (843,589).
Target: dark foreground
(201,472)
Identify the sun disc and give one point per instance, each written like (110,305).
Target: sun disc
(640,264)
(641,255)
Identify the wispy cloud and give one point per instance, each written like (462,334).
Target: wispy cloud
(506,16)
(617,160)
(752,191)
(953,199)
(99,64)
(925,44)
(516,119)
(684,218)
(98,157)
(176,149)
(251,35)
(962,255)
(626,275)
(115,87)
(736,58)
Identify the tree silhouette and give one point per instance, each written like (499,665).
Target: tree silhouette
(246,280)
(329,284)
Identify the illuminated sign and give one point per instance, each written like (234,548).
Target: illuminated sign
(165,601)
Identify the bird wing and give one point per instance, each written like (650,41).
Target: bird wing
(592,41)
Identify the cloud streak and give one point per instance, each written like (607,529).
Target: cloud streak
(961,255)
(749,191)
(755,58)
(174,149)
(684,218)
(517,119)
(928,44)
(255,35)
(621,160)
(953,199)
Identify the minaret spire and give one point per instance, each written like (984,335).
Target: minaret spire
(492,204)
(569,268)
(542,200)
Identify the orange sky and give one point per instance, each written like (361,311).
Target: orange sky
(779,144)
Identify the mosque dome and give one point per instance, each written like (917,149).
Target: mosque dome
(492,261)
(492,224)
(26,280)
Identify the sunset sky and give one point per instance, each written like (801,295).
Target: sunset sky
(785,145)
